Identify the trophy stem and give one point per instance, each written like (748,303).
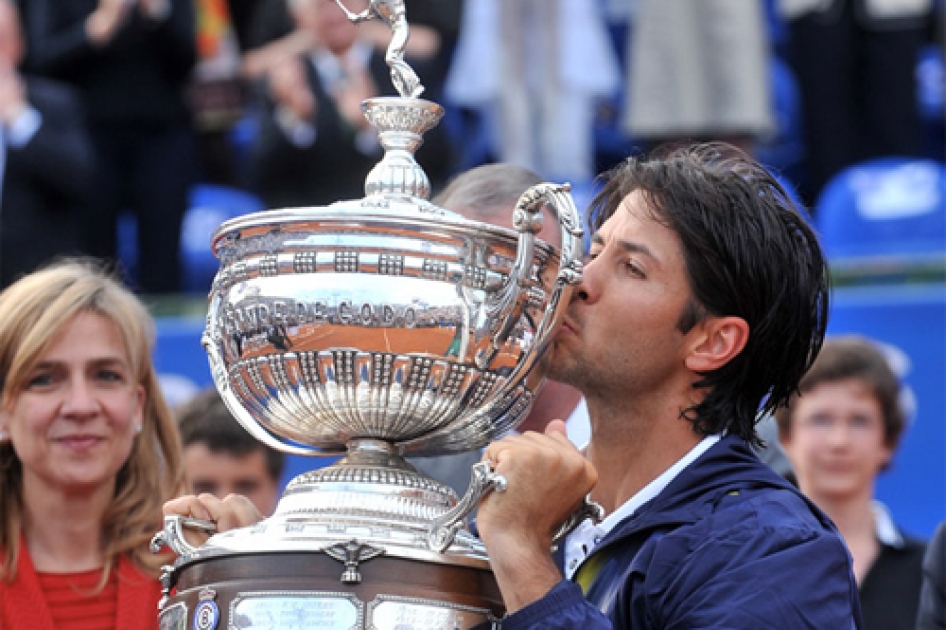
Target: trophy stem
(401,123)
(374,452)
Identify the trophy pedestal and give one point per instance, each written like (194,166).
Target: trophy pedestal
(303,590)
(347,549)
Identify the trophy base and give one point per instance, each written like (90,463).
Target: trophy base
(312,590)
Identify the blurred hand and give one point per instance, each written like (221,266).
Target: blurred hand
(289,88)
(348,98)
(231,512)
(154,9)
(12,94)
(261,61)
(108,17)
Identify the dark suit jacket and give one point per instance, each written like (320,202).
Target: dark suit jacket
(45,183)
(332,168)
(890,591)
(137,78)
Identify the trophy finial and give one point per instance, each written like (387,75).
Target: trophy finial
(394,14)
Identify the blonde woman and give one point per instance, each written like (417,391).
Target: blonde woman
(89,453)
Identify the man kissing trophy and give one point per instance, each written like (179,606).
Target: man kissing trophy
(372,328)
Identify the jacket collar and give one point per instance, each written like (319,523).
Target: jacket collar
(690,496)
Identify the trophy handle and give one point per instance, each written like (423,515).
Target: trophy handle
(508,303)
(242,416)
(588,509)
(444,529)
(173,533)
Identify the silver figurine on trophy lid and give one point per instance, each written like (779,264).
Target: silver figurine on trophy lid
(372,328)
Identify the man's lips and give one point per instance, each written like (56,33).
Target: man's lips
(569,327)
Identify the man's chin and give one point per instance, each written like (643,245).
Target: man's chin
(557,371)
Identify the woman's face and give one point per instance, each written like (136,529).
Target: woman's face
(836,444)
(73,424)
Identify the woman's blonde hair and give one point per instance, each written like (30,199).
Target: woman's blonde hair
(33,313)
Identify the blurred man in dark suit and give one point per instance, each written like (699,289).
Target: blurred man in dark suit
(131,62)
(314,144)
(45,161)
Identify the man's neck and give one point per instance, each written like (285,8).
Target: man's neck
(630,447)
(556,401)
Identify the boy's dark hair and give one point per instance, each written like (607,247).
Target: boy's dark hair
(749,252)
(206,420)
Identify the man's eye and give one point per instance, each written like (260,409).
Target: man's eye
(633,268)
(201,487)
(821,420)
(861,421)
(246,487)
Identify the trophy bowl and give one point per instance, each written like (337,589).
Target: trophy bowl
(403,323)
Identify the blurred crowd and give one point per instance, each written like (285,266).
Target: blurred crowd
(113,108)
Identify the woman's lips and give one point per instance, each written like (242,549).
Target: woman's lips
(79,442)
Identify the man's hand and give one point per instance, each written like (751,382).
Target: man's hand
(234,511)
(104,22)
(12,95)
(349,95)
(548,479)
(289,89)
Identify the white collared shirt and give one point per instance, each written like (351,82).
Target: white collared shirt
(17,135)
(886,531)
(582,541)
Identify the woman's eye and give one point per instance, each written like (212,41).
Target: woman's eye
(43,379)
(634,269)
(111,376)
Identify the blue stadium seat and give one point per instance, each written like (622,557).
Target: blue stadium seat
(931,99)
(889,212)
(210,205)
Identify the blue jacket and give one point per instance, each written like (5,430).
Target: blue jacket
(728,544)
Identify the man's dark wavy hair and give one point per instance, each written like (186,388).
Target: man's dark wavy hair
(749,252)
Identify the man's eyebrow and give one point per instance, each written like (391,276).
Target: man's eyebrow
(627,246)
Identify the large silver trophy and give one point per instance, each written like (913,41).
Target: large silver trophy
(372,328)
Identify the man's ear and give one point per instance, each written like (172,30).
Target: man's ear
(718,340)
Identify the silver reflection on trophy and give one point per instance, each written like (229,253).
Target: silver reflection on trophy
(373,328)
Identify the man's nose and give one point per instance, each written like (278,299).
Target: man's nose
(839,433)
(585,290)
